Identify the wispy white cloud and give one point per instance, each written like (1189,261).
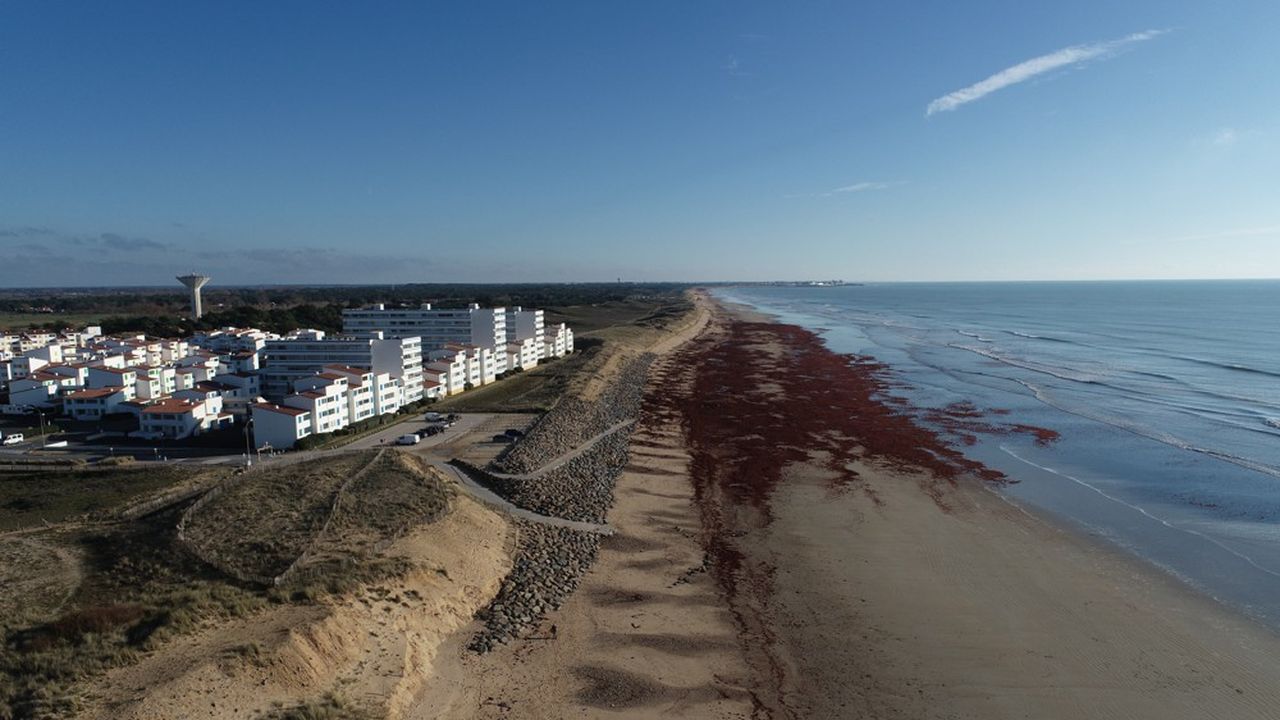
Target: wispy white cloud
(1024,71)
(733,66)
(1264,231)
(858,187)
(1225,137)
(865,186)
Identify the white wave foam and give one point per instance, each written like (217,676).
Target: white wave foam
(1151,433)
(1060,373)
(1204,536)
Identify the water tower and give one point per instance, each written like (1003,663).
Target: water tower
(195,282)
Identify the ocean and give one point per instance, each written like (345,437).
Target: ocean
(1166,396)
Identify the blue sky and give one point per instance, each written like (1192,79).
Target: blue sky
(321,142)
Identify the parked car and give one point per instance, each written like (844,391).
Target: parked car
(433,417)
(430,430)
(13,438)
(514,433)
(501,438)
(410,439)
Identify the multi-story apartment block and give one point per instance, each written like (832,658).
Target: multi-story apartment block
(559,341)
(384,390)
(525,324)
(436,327)
(289,359)
(327,405)
(230,340)
(524,354)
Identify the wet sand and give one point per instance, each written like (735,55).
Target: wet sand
(791,547)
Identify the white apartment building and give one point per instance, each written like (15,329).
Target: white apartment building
(525,324)
(229,340)
(289,359)
(524,354)
(449,370)
(435,327)
(384,390)
(279,426)
(327,405)
(559,341)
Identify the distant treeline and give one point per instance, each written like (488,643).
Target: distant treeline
(280,309)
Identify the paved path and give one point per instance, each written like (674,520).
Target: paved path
(566,457)
(488,497)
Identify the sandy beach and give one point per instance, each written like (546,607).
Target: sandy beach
(847,585)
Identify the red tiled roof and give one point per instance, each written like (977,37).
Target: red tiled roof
(93,394)
(172,406)
(268,407)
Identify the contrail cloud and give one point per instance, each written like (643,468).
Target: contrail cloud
(1024,71)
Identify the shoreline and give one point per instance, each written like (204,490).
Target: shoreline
(1025,635)
(1079,526)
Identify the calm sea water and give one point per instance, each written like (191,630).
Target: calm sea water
(1167,396)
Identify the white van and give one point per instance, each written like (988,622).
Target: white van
(13,438)
(410,439)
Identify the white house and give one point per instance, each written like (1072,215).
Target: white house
(100,377)
(279,426)
(95,403)
(179,418)
(239,390)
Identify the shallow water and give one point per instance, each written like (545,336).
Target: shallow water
(1166,395)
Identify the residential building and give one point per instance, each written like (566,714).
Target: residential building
(96,403)
(559,341)
(435,327)
(524,354)
(289,359)
(327,405)
(100,377)
(178,418)
(41,389)
(525,324)
(279,426)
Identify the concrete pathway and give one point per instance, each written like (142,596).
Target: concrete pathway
(488,497)
(566,457)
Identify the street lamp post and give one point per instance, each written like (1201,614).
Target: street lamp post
(44,442)
(248,448)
